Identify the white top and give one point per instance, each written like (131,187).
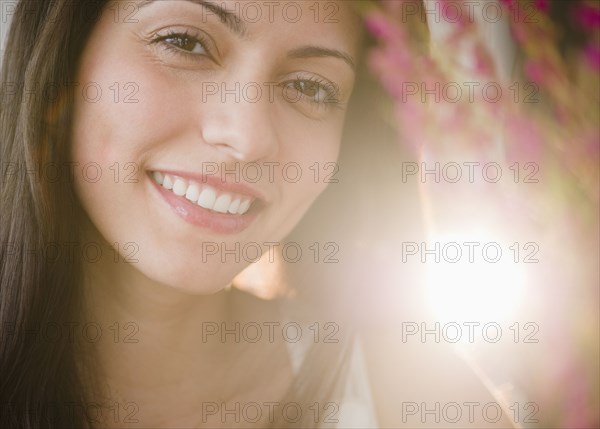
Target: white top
(356,408)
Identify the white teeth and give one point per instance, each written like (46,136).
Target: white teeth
(167,183)
(193,192)
(179,188)
(244,207)
(234,206)
(207,198)
(158,177)
(222,204)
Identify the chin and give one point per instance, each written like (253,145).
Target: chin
(202,279)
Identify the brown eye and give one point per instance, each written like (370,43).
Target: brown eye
(313,90)
(308,88)
(186,43)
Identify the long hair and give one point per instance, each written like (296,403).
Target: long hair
(41,278)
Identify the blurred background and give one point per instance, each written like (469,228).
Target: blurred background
(497,107)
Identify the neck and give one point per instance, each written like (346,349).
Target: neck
(118,291)
(153,351)
(150,332)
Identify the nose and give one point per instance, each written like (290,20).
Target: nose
(237,119)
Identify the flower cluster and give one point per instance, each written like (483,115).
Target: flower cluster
(524,88)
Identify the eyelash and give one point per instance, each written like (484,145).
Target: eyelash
(183,35)
(332,93)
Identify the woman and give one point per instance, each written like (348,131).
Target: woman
(149,149)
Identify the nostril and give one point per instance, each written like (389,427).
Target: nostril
(231,151)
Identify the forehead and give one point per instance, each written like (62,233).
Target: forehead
(332,20)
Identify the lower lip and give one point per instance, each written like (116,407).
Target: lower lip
(219,223)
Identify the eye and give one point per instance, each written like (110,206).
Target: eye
(314,90)
(184,43)
(311,89)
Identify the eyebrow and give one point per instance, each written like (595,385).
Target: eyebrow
(230,19)
(318,51)
(238,27)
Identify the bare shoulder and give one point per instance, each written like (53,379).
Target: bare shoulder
(427,386)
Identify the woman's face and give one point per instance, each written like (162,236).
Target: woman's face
(204,127)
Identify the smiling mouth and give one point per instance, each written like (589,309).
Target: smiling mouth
(204,195)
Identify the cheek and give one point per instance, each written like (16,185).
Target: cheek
(309,162)
(121,95)
(112,134)
(116,137)
(120,121)
(125,111)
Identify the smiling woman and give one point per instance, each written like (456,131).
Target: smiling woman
(177,54)
(150,159)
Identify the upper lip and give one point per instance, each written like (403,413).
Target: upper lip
(218,184)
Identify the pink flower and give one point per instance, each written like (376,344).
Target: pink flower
(543,5)
(508,3)
(453,12)
(523,138)
(592,55)
(483,63)
(536,71)
(588,16)
(381,27)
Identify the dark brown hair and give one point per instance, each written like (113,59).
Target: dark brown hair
(40,385)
